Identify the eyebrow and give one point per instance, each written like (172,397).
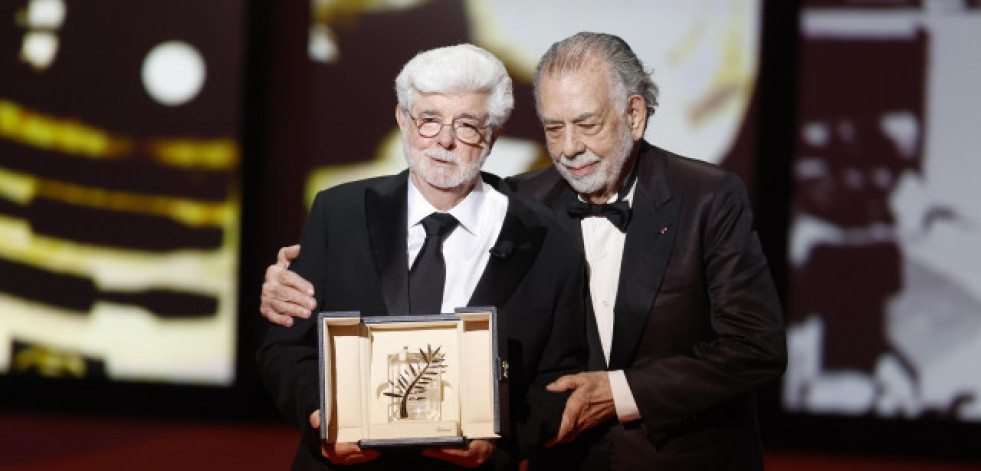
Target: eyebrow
(469,115)
(577,119)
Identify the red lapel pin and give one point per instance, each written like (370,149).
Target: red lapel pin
(664,229)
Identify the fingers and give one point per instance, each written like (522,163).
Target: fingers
(581,412)
(341,453)
(590,404)
(286,255)
(274,318)
(569,433)
(569,420)
(286,281)
(347,453)
(301,286)
(564,383)
(276,304)
(315,419)
(286,285)
(446,452)
(273,312)
(285,295)
(476,453)
(562,436)
(278,312)
(575,407)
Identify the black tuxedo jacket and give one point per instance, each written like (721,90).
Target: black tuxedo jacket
(698,323)
(354,252)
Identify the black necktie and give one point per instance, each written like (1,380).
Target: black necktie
(618,213)
(428,273)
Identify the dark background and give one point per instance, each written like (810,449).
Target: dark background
(283,111)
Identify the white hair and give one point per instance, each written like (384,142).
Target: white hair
(463,68)
(627,72)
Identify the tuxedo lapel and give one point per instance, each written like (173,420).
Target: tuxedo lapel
(386,211)
(514,252)
(649,241)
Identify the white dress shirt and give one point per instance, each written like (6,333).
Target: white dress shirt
(603,244)
(467,249)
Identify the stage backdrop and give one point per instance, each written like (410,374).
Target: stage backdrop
(885,236)
(120,188)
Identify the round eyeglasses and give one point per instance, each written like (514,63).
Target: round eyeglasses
(466,130)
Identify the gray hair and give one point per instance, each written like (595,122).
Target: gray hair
(463,68)
(626,70)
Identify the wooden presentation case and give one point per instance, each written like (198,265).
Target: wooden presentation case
(355,371)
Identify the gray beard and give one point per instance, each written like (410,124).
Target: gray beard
(444,178)
(586,184)
(610,168)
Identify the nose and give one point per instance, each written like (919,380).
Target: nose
(445,138)
(572,145)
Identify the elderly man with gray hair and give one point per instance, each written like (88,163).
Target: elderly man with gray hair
(686,323)
(423,242)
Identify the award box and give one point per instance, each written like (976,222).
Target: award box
(427,380)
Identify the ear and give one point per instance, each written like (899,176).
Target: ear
(400,117)
(637,116)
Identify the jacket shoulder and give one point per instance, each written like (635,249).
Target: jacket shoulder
(687,175)
(535,184)
(687,166)
(355,187)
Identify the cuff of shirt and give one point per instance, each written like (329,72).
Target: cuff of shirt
(623,400)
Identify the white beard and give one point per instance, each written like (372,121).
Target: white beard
(440,176)
(606,174)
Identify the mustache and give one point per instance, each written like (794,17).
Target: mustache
(580,160)
(442,155)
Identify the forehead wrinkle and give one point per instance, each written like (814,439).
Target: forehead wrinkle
(437,109)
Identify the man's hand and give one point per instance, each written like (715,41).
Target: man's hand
(590,404)
(284,293)
(475,454)
(341,453)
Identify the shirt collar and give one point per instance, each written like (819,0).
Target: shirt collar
(467,212)
(628,197)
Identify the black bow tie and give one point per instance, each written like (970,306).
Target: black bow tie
(618,213)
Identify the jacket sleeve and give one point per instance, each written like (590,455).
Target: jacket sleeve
(746,346)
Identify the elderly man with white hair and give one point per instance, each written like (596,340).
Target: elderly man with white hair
(438,236)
